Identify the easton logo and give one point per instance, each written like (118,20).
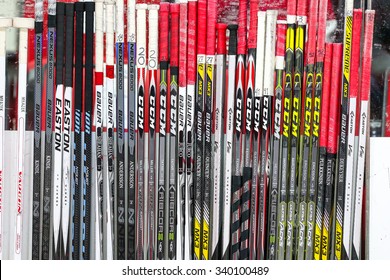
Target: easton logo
(58,124)
(67,123)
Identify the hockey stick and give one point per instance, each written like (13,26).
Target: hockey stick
(181,152)
(173,100)
(58,140)
(333,133)
(266,128)
(352,115)
(323,147)
(307,130)
(295,125)
(199,128)
(99,121)
(343,145)
(238,148)
(110,93)
(88,109)
(36,220)
(190,129)
(228,148)
(275,157)
(153,129)
(208,194)
(132,85)
(120,121)
(286,135)
(141,117)
(23,24)
(164,129)
(363,128)
(316,131)
(218,144)
(258,52)
(67,129)
(77,139)
(4,24)
(247,161)
(48,160)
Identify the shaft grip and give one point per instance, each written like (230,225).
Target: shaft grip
(232,39)
(164,31)
(221,42)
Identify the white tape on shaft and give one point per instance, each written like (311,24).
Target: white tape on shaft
(269,63)
(141,31)
(131,21)
(259,75)
(153,36)
(99,36)
(119,21)
(110,32)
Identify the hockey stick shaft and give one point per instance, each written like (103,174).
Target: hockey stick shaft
(307,131)
(173,119)
(58,141)
(219,144)
(132,87)
(274,186)
(228,148)
(318,112)
(286,135)
(190,128)
(141,64)
(295,125)
(4,24)
(99,121)
(343,144)
(164,129)
(23,24)
(333,132)
(153,127)
(67,129)
(37,130)
(88,89)
(199,122)
(363,130)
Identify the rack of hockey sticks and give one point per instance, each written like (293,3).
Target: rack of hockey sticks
(170,135)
